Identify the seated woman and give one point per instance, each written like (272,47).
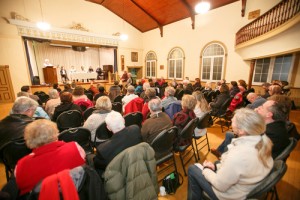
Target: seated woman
(103,107)
(200,109)
(49,156)
(219,100)
(53,101)
(67,104)
(81,99)
(247,162)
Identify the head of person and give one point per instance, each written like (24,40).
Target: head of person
(101,89)
(40,132)
(266,86)
(242,89)
(233,84)
(155,105)
(201,101)
(66,97)
(197,80)
(243,83)
(24,105)
(146,85)
(224,88)
(180,86)
(116,82)
(223,81)
(62,67)
(273,111)
(129,75)
(185,82)
(150,93)
(130,89)
(53,94)
(169,91)
(67,86)
(55,85)
(115,122)
(275,89)
(251,97)
(283,100)
(208,85)
(78,91)
(247,122)
(188,102)
(25,88)
(103,103)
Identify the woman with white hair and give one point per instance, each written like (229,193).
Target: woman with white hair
(53,101)
(247,162)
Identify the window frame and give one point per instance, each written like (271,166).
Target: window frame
(182,60)
(151,61)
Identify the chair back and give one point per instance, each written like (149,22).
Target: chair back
(89,95)
(209,96)
(163,142)
(88,112)
(292,130)
(133,118)
(222,109)
(188,131)
(286,152)
(203,122)
(117,106)
(102,133)
(69,119)
(80,135)
(270,180)
(173,108)
(42,96)
(119,98)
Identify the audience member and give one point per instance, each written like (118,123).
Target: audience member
(173,83)
(157,122)
(151,94)
(220,99)
(169,97)
(12,126)
(233,89)
(243,83)
(129,80)
(100,94)
(67,88)
(200,109)
(237,101)
(161,81)
(78,93)
(49,156)
(26,89)
(139,88)
(255,100)
(129,96)
(103,107)
(55,86)
(275,89)
(145,86)
(53,101)
(247,162)
(66,104)
(124,77)
(114,91)
(123,137)
(266,86)
(207,86)
(197,84)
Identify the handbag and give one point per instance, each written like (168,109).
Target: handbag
(171,182)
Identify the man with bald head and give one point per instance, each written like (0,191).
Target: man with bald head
(255,100)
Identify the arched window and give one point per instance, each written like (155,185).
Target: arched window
(213,62)
(151,64)
(175,63)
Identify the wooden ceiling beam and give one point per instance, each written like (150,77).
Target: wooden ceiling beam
(153,18)
(244,2)
(191,11)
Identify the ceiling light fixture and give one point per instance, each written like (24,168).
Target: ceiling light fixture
(202,7)
(43,25)
(123,36)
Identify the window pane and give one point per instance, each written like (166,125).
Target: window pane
(264,78)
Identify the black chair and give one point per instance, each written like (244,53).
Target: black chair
(203,123)
(69,119)
(117,106)
(209,96)
(268,184)
(163,147)
(42,96)
(133,118)
(119,98)
(180,95)
(80,135)
(223,114)
(88,112)
(11,153)
(286,152)
(186,134)
(102,134)
(89,95)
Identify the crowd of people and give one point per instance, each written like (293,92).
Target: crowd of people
(258,129)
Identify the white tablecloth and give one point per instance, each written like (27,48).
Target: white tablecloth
(83,75)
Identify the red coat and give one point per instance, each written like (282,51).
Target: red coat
(134,105)
(236,101)
(44,161)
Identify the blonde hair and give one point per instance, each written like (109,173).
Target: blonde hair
(103,103)
(40,132)
(253,124)
(189,102)
(201,101)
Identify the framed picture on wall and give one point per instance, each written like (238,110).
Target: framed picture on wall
(134,56)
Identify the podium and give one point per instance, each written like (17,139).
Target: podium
(50,75)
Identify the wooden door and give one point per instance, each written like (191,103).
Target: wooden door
(6,88)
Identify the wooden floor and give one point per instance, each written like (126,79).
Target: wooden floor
(288,188)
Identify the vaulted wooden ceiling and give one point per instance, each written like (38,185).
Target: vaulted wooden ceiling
(146,15)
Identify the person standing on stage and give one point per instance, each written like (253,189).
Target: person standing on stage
(63,74)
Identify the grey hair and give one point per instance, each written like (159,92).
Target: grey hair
(22,104)
(53,94)
(146,85)
(103,103)
(155,105)
(150,93)
(170,90)
(130,89)
(114,121)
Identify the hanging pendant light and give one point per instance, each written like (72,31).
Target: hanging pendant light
(202,7)
(123,36)
(42,25)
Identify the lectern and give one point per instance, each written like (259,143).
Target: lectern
(50,75)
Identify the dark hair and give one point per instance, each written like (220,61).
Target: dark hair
(116,83)
(55,85)
(284,101)
(101,89)
(233,83)
(224,88)
(280,111)
(66,97)
(78,91)
(25,88)
(67,86)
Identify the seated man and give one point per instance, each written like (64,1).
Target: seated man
(123,137)
(26,89)
(169,97)
(157,122)
(255,100)
(275,115)
(12,127)
(129,96)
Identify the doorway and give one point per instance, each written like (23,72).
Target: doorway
(6,88)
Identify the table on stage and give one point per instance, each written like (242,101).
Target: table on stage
(83,75)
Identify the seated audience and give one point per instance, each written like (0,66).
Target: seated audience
(26,89)
(233,89)
(242,83)
(100,94)
(207,86)
(151,94)
(173,83)
(12,126)
(237,100)
(129,80)
(169,97)
(247,162)
(78,93)
(123,137)
(145,86)
(114,91)
(53,101)
(66,104)
(129,96)
(200,109)
(67,88)
(255,100)
(124,77)
(220,99)
(49,156)
(274,115)
(103,107)
(197,84)
(55,86)
(265,87)
(161,81)
(157,122)
(275,89)
(139,88)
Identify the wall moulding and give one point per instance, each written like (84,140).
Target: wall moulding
(29,29)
